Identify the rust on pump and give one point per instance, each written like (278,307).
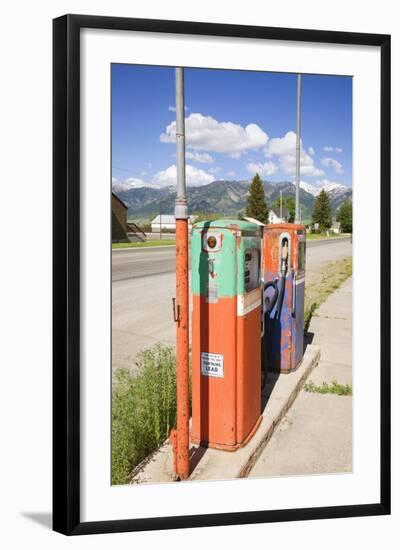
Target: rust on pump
(284,281)
(226,333)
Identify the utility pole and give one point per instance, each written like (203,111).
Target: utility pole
(280,213)
(160,221)
(298,140)
(181,436)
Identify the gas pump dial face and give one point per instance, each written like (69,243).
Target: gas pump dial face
(212,242)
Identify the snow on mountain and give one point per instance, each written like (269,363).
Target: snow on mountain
(329,186)
(309,188)
(118,186)
(326,185)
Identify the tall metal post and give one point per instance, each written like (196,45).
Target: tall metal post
(182,289)
(280,212)
(298,141)
(160,221)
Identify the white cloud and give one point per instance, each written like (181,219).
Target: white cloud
(207,134)
(194,176)
(311,151)
(285,149)
(307,166)
(330,149)
(204,158)
(231,174)
(332,163)
(285,145)
(263,169)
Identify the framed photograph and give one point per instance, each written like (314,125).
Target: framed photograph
(221,229)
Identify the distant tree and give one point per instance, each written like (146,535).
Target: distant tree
(322,211)
(256,205)
(287,202)
(345,216)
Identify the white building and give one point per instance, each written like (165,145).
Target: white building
(274,215)
(166,222)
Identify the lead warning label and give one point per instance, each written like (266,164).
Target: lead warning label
(212,364)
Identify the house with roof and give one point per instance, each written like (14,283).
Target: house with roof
(166,222)
(274,215)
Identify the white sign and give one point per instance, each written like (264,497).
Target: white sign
(212,364)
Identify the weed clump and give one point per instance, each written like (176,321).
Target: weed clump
(335,388)
(143,409)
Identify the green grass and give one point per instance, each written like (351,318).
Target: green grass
(143,409)
(159,242)
(320,236)
(333,276)
(334,387)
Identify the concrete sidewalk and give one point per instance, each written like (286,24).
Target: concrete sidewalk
(315,436)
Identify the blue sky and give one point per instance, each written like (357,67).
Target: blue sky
(237,123)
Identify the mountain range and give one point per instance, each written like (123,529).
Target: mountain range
(224,197)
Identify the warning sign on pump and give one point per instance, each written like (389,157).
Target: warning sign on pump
(212,364)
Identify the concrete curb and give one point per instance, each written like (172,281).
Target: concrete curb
(213,464)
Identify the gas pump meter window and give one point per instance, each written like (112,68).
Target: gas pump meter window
(302,255)
(251,269)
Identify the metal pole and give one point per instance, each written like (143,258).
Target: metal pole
(280,213)
(182,289)
(298,136)
(160,221)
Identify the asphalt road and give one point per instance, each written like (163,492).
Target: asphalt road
(144,284)
(133,263)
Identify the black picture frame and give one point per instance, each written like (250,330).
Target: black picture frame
(66,273)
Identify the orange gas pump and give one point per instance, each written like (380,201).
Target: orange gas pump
(284,253)
(226,333)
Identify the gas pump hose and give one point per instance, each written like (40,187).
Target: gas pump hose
(269,306)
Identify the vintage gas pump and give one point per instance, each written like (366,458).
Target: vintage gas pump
(284,251)
(226,333)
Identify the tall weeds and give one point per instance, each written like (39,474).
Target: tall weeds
(143,409)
